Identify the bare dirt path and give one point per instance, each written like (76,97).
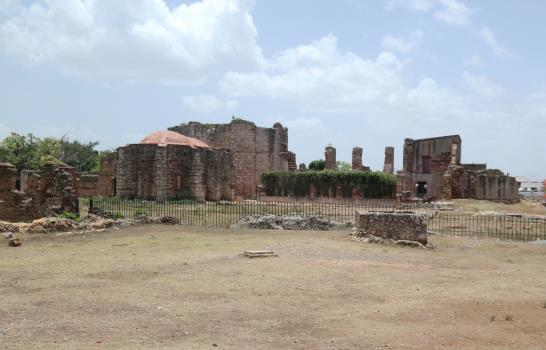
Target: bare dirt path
(180,288)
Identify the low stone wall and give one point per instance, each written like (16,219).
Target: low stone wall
(397,226)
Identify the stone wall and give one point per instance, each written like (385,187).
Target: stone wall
(392,225)
(255,149)
(48,192)
(167,172)
(106,186)
(88,185)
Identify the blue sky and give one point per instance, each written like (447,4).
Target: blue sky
(346,72)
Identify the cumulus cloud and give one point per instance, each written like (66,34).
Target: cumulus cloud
(482,85)
(488,36)
(449,11)
(207,104)
(133,40)
(321,78)
(453,12)
(402,45)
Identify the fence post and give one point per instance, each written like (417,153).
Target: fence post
(90,209)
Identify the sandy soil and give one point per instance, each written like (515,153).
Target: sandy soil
(181,288)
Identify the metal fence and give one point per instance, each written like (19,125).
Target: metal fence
(224,214)
(501,226)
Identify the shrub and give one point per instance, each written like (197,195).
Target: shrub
(70,216)
(326,182)
(117,216)
(140,212)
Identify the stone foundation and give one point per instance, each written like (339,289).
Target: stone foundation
(406,226)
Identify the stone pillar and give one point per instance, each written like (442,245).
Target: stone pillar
(330,158)
(8,177)
(446,190)
(454,151)
(302,167)
(388,166)
(357,158)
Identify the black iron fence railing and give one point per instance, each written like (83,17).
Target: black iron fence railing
(224,214)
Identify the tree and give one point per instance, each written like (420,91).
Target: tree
(317,165)
(21,151)
(82,156)
(344,166)
(30,152)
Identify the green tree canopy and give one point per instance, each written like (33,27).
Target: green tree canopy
(31,152)
(317,165)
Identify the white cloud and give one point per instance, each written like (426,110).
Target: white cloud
(453,12)
(400,44)
(449,11)
(208,104)
(134,40)
(475,61)
(482,85)
(490,40)
(320,78)
(418,5)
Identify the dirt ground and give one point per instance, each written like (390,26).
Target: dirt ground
(175,287)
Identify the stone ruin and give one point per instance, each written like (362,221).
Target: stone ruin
(395,226)
(388,166)
(254,149)
(330,162)
(48,192)
(357,162)
(432,170)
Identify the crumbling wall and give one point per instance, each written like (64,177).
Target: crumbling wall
(357,158)
(51,191)
(88,185)
(255,149)
(167,172)
(106,186)
(392,225)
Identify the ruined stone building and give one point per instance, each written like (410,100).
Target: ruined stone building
(50,191)
(167,165)
(254,149)
(432,169)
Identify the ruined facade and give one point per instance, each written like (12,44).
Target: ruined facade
(432,169)
(51,191)
(254,149)
(167,166)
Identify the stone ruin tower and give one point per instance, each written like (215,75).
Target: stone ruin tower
(330,158)
(357,158)
(388,166)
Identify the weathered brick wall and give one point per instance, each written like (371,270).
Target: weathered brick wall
(106,186)
(149,171)
(392,225)
(330,162)
(51,192)
(88,185)
(255,149)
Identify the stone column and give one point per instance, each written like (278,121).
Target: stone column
(388,166)
(357,158)
(302,167)
(330,158)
